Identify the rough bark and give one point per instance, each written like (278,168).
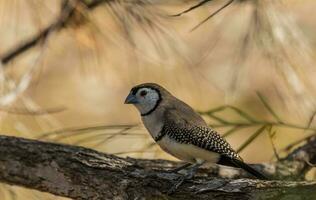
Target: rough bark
(81,173)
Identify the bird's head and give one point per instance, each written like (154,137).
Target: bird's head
(146,97)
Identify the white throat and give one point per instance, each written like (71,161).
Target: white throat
(145,108)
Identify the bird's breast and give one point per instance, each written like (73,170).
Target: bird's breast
(153,125)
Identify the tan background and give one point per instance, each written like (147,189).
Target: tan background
(89,68)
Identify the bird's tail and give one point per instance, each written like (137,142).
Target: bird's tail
(240,164)
(250,170)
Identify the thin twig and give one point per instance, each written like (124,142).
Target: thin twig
(271,136)
(250,139)
(212,15)
(311,119)
(268,123)
(231,131)
(268,107)
(78,130)
(192,8)
(238,111)
(297,142)
(20,111)
(68,9)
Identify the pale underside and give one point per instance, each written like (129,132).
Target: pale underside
(187,152)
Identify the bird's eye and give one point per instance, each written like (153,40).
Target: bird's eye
(143,93)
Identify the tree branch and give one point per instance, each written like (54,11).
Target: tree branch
(81,173)
(67,11)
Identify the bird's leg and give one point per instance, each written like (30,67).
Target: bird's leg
(190,173)
(177,169)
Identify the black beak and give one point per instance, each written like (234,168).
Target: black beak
(131,99)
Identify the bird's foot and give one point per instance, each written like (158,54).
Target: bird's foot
(177,169)
(180,180)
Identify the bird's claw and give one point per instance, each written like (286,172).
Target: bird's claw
(177,169)
(189,175)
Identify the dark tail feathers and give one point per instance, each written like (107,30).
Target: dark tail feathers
(240,164)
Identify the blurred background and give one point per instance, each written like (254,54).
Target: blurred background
(249,69)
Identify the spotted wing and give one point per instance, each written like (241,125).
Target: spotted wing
(184,131)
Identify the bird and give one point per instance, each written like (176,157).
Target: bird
(180,131)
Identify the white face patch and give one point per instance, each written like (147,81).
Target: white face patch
(147,99)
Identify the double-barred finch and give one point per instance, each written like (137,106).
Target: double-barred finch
(182,132)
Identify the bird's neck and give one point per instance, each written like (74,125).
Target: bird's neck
(153,122)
